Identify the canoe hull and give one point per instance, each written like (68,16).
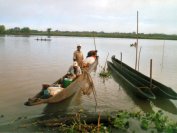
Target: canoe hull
(80,82)
(137,88)
(158,89)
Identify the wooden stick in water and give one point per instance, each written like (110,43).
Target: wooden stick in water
(163,55)
(121,59)
(136,44)
(105,63)
(151,73)
(98,125)
(139,58)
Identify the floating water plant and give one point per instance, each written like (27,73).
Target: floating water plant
(121,121)
(105,74)
(156,120)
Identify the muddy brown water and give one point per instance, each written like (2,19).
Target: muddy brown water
(25,64)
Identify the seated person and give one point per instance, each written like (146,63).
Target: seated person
(90,59)
(91,53)
(74,71)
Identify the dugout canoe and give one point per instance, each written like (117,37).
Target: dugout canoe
(138,88)
(64,93)
(43,39)
(159,89)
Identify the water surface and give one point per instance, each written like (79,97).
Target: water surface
(25,64)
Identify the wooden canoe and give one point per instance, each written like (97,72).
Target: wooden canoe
(144,104)
(159,89)
(65,93)
(43,39)
(137,87)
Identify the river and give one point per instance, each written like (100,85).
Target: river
(25,64)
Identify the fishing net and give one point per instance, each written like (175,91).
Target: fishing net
(89,85)
(86,82)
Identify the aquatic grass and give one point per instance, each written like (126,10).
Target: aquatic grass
(105,74)
(121,120)
(155,120)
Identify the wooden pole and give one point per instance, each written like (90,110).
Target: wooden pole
(104,68)
(121,59)
(98,124)
(150,73)
(94,39)
(139,58)
(163,55)
(136,44)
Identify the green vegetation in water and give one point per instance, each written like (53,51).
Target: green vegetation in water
(148,121)
(105,74)
(120,121)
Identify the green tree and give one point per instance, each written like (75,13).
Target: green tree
(2,29)
(49,30)
(25,30)
(15,30)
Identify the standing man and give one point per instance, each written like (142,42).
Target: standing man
(78,55)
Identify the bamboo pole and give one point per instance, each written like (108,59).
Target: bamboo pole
(121,59)
(94,39)
(98,124)
(163,55)
(150,73)
(136,44)
(104,68)
(139,58)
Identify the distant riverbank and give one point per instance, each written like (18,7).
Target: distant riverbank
(95,34)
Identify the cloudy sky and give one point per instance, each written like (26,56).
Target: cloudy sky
(155,16)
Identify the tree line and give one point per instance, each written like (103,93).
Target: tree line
(50,32)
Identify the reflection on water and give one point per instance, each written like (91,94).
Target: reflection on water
(166,105)
(26,64)
(64,106)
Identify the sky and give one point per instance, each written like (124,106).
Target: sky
(155,16)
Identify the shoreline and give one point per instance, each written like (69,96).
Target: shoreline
(98,34)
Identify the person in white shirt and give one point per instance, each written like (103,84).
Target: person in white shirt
(90,59)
